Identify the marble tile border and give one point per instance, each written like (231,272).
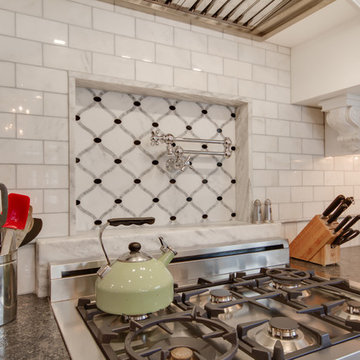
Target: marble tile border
(77,79)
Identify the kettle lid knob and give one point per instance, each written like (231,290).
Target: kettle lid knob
(134,247)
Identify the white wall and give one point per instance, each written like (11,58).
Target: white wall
(327,63)
(287,141)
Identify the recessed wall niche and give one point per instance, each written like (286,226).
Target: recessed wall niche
(118,173)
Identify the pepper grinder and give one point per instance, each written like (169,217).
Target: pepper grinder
(257,218)
(268,212)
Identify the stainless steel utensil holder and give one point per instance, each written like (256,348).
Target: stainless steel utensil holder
(8,287)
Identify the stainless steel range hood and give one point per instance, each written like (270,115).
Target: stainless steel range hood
(257,19)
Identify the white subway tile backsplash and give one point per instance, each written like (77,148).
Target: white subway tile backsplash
(236,68)
(222,84)
(130,48)
(323,193)
(34,28)
(178,24)
(54,224)
(112,22)
(352,178)
(311,209)
(31,7)
(19,50)
(55,104)
(56,152)
(68,59)
(7,74)
(278,61)
(160,33)
(92,40)
(301,162)
(169,55)
(97,4)
(313,178)
(208,63)
(265,109)
(277,161)
(356,160)
(323,163)
(7,125)
(334,178)
(277,93)
(7,23)
(265,75)
(68,12)
(312,115)
(347,190)
(110,65)
(190,40)
(258,192)
(40,78)
(284,50)
(21,151)
(301,130)
(159,74)
(290,211)
(227,48)
(318,131)
(284,78)
(206,31)
(315,147)
(289,145)
(258,126)
(290,178)
(42,176)
(134,13)
(265,178)
(290,112)
(21,101)
(278,194)
(190,79)
(277,127)
(8,175)
(251,89)
(265,45)
(264,143)
(301,193)
(42,127)
(344,163)
(251,54)
(258,160)
(56,200)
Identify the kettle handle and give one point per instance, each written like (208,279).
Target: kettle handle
(122,221)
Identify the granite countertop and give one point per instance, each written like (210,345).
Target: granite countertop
(34,334)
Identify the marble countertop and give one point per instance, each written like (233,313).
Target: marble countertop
(34,334)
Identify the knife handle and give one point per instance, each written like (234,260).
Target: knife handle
(337,213)
(343,222)
(348,201)
(351,223)
(353,234)
(333,205)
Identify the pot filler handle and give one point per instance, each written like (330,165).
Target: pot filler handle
(122,221)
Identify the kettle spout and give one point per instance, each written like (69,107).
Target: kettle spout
(168,252)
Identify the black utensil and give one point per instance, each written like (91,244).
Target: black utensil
(342,223)
(353,234)
(336,202)
(351,223)
(4,204)
(341,237)
(333,217)
(33,233)
(348,201)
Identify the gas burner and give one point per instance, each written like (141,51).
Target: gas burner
(353,307)
(283,328)
(221,296)
(127,318)
(181,353)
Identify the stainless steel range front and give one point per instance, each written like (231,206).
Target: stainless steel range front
(231,302)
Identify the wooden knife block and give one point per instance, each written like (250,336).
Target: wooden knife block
(313,243)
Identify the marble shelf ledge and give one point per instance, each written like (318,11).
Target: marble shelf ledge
(86,246)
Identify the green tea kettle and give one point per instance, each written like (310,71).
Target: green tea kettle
(135,283)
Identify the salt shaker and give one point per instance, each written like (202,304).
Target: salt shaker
(268,212)
(257,219)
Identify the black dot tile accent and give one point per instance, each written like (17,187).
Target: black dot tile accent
(137,103)
(97,222)
(188,127)
(155,124)
(172,218)
(172,181)
(155,162)
(233,214)
(204,111)
(155,200)
(172,107)
(77,117)
(219,198)
(137,142)
(233,148)
(205,216)
(77,202)
(190,163)
(204,146)
(117,161)
(219,164)
(137,181)
(233,181)
(117,121)
(204,181)
(173,144)
(189,199)
(233,115)
(97,181)
(117,201)
(97,98)
(97,140)
(77,160)
(219,131)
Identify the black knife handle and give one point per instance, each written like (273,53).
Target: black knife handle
(337,213)
(333,205)
(348,201)
(131,221)
(351,223)
(350,236)
(343,222)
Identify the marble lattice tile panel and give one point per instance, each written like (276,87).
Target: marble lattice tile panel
(119,174)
